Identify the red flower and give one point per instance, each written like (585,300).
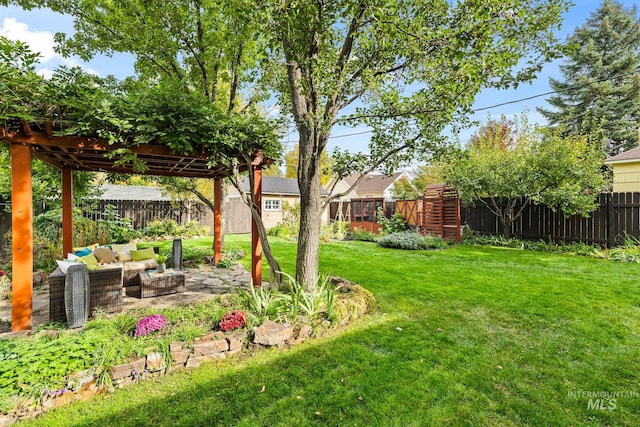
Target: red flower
(235,319)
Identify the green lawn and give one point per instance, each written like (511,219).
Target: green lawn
(465,336)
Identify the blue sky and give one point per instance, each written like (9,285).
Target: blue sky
(37,28)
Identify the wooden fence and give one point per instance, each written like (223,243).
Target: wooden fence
(142,212)
(617,216)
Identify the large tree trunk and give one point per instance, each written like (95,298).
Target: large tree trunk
(310,209)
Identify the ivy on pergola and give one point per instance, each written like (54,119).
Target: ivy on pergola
(79,122)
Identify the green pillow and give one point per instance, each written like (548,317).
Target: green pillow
(89,259)
(143,254)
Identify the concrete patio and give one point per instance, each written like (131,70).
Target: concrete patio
(201,283)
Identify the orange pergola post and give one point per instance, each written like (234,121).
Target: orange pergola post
(217,220)
(67,210)
(256,246)
(22,236)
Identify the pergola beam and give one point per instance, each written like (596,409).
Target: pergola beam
(22,238)
(67,210)
(217,220)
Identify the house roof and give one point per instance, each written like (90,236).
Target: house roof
(372,183)
(279,185)
(131,192)
(632,155)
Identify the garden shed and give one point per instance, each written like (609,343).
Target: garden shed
(75,153)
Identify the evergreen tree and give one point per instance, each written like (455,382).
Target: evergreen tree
(600,94)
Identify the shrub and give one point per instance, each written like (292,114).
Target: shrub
(411,241)
(395,224)
(362,235)
(191,229)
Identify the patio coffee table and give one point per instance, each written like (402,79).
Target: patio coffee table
(154,284)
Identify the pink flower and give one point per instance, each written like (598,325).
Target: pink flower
(149,324)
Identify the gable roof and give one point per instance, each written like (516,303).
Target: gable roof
(372,183)
(131,192)
(632,155)
(279,185)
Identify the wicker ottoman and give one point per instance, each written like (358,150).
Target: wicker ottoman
(105,292)
(154,284)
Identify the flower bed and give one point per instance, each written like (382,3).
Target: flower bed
(55,367)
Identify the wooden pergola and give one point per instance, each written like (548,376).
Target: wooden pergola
(71,153)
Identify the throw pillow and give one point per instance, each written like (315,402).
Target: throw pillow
(64,265)
(124,251)
(143,254)
(88,259)
(104,255)
(82,252)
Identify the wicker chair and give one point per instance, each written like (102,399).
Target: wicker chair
(105,292)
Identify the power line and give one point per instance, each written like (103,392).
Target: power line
(515,101)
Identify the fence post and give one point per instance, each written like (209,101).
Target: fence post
(611,223)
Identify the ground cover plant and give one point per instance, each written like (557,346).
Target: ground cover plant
(469,335)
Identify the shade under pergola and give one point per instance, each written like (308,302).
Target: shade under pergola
(74,153)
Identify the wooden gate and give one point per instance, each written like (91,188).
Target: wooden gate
(441,212)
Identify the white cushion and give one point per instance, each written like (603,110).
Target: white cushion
(65,264)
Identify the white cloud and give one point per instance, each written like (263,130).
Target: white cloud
(45,72)
(38,41)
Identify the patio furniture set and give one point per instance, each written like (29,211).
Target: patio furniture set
(105,287)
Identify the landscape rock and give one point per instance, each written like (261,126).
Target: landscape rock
(176,346)
(80,379)
(236,341)
(209,347)
(180,356)
(155,362)
(271,333)
(192,362)
(304,332)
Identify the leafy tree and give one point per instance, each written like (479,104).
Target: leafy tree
(537,167)
(599,95)
(404,68)
(420,177)
(292,159)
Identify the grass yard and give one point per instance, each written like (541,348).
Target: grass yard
(465,336)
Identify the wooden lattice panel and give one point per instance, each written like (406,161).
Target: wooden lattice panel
(441,212)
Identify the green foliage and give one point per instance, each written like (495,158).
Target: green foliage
(629,251)
(599,92)
(191,229)
(335,230)
(313,301)
(538,166)
(412,241)
(413,186)
(362,235)
(32,366)
(395,224)
(290,224)
(263,303)
(115,229)
(170,228)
